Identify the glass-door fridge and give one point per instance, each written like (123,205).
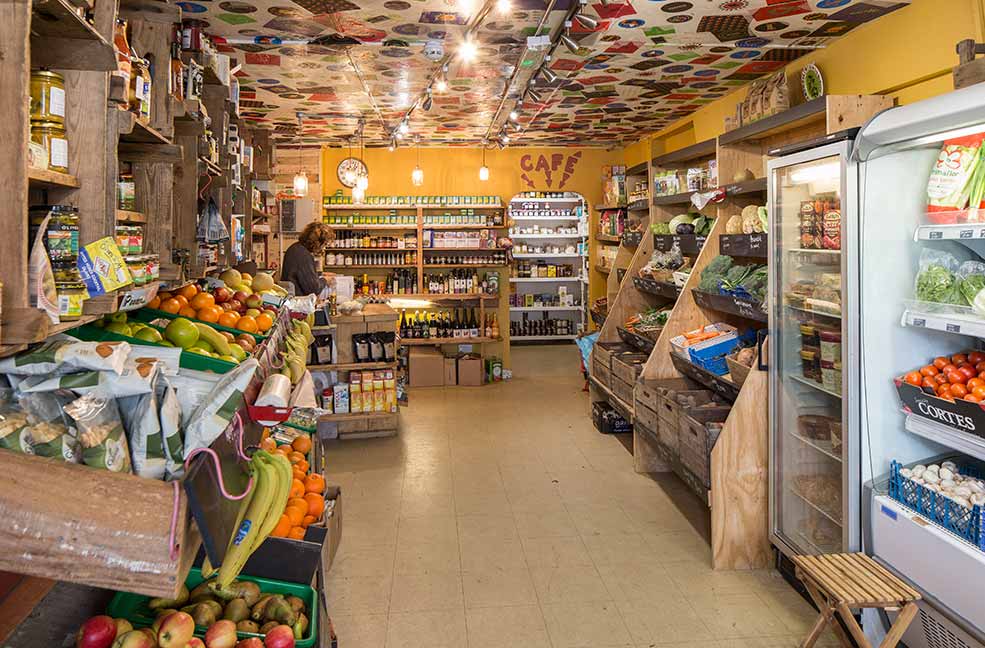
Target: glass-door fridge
(814,481)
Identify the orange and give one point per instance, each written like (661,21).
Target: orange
(308,521)
(154,303)
(201,300)
(247,323)
(189,291)
(302,444)
(264,321)
(297,488)
(268,444)
(303,465)
(283,526)
(171,305)
(316,504)
(295,457)
(283,449)
(228,318)
(296,514)
(299,502)
(296,533)
(182,300)
(209,313)
(188,311)
(314,483)
(165,295)
(298,474)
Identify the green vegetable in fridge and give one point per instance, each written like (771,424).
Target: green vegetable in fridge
(936,284)
(970,286)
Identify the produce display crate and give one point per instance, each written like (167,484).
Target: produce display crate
(718,346)
(734,304)
(697,439)
(635,340)
(602,352)
(689,244)
(195,361)
(149,314)
(738,371)
(964,522)
(645,392)
(646,417)
(609,421)
(268,561)
(658,288)
(133,607)
(627,366)
(672,403)
(622,390)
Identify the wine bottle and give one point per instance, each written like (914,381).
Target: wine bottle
(432,326)
(403,323)
(473,325)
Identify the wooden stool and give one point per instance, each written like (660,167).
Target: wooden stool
(839,582)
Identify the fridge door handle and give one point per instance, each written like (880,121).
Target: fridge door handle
(761,336)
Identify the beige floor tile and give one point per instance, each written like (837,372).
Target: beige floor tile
(414,592)
(481,553)
(521,626)
(361,630)
(470,502)
(665,618)
(556,552)
(696,578)
(415,557)
(640,580)
(487,526)
(796,614)
(435,629)
(370,529)
(537,500)
(359,593)
(596,519)
(827,640)
(431,529)
(569,584)
(363,560)
(618,548)
(430,505)
(498,588)
(545,524)
(732,616)
(677,546)
(585,625)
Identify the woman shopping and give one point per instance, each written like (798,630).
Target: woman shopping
(299,261)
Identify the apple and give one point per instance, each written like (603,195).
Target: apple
(229,336)
(151,634)
(122,626)
(176,630)
(254,301)
(234,305)
(222,294)
(226,305)
(221,634)
(161,616)
(195,643)
(252,642)
(240,296)
(134,639)
(96,632)
(281,636)
(252,312)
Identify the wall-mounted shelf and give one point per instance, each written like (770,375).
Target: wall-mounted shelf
(46,178)
(697,151)
(123,216)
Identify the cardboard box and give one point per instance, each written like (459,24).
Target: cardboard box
(470,371)
(427,367)
(451,372)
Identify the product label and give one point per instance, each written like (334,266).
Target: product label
(242,532)
(56,102)
(58,155)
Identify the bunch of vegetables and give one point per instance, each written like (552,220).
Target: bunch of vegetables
(682,224)
(714,273)
(960,376)
(752,220)
(650,320)
(942,280)
(722,275)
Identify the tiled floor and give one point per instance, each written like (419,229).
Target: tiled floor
(500,517)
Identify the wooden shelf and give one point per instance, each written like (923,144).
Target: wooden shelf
(141,133)
(639,169)
(657,288)
(350,366)
(394,226)
(371,266)
(729,304)
(485,266)
(46,178)
(461,227)
(625,409)
(123,216)
(467,249)
(211,168)
(638,205)
(607,238)
(443,297)
(707,148)
(757,185)
(608,207)
(63,40)
(789,119)
(356,416)
(438,341)
(368,207)
(683,198)
(718,384)
(541,338)
(603,269)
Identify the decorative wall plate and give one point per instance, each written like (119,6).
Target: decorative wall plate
(811,82)
(349,171)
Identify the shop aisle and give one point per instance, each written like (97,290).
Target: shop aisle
(500,517)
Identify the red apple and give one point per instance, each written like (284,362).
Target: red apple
(235,305)
(221,634)
(134,639)
(254,301)
(195,643)
(161,616)
(96,632)
(151,634)
(176,630)
(240,296)
(122,626)
(222,295)
(252,642)
(281,636)
(272,312)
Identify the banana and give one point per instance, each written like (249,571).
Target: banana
(297,370)
(207,569)
(210,335)
(241,544)
(303,327)
(283,475)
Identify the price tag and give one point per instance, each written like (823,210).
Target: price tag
(953,328)
(935,235)
(134,299)
(756,242)
(919,321)
(966,234)
(465,348)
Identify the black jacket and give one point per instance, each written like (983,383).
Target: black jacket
(299,268)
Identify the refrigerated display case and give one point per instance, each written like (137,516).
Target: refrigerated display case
(814,483)
(921,531)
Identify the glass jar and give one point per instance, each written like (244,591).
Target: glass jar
(125,191)
(138,269)
(65,272)
(123,239)
(61,237)
(47,96)
(123,54)
(153,267)
(51,135)
(136,240)
(71,295)
(138,83)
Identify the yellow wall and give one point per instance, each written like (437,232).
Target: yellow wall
(907,55)
(455,171)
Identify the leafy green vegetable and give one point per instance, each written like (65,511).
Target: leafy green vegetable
(678,220)
(756,282)
(970,287)
(660,228)
(937,284)
(714,273)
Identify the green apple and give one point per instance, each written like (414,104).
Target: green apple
(148,334)
(203,344)
(119,328)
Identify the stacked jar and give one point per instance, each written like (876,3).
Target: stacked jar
(61,240)
(144,268)
(49,144)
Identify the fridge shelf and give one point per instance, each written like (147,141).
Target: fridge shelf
(730,304)
(814,385)
(718,384)
(817,508)
(950,232)
(918,314)
(812,251)
(811,311)
(817,446)
(946,435)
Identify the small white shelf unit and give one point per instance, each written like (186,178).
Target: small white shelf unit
(568,211)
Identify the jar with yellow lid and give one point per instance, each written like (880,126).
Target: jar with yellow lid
(71,298)
(47,96)
(138,269)
(51,135)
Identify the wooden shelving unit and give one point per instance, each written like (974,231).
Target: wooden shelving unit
(440,341)
(46,178)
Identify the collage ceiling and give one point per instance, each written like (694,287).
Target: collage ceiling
(646,64)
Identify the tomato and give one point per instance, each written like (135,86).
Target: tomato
(940,379)
(972,398)
(959,391)
(967,364)
(941,361)
(975,382)
(979,392)
(975,357)
(947,397)
(956,378)
(958,358)
(929,370)
(929,382)
(967,372)
(949,367)
(914,378)
(943,389)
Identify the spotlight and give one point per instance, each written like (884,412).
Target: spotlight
(517,127)
(514,115)
(569,43)
(468,50)
(440,85)
(393,145)
(398,135)
(404,128)
(427,103)
(533,95)
(503,6)
(587,21)
(548,75)
(504,138)
(466,6)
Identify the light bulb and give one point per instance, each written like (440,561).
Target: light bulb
(466,6)
(398,135)
(514,115)
(362,182)
(468,50)
(392,146)
(358,194)
(504,6)
(441,85)
(417,176)
(504,138)
(587,21)
(569,43)
(404,128)
(483,173)
(301,184)
(548,75)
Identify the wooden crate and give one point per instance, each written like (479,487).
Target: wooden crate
(646,417)
(602,352)
(622,390)
(601,372)
(627,366)
(697,438)
(646,394)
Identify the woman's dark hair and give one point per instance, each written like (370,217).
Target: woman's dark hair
(315,237)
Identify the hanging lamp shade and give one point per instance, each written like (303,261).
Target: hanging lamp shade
(301,184)
(483,173)
(417,176)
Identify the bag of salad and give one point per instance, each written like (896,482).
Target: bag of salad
(957,181)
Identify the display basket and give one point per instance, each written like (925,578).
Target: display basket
(964,522)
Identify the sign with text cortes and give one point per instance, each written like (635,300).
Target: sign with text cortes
(551,171)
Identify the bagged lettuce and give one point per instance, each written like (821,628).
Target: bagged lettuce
(216,411)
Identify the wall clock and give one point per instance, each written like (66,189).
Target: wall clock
(350,169)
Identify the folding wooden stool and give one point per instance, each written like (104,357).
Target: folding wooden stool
(839,582)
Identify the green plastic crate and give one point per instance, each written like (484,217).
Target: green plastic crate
(195,361)
(148,314)
(133,607)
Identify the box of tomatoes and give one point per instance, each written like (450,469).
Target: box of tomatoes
(950,390)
